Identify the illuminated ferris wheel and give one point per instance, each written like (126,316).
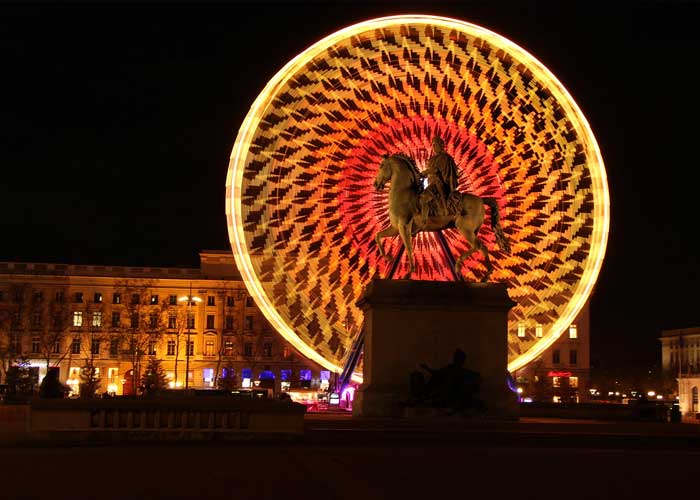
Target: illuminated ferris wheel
(302,212)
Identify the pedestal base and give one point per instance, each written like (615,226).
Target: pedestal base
(412,322)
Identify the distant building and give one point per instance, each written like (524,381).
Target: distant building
(562,373)
(680,359)
(118,318)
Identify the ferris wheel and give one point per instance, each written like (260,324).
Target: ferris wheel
(302,212)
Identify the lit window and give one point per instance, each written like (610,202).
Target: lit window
(78,318)
(287,351)
(556,382)
(209,348)
(228,348)
(208,375)
(246,375)
(573,332)
(573,382)
(211,300)
(96,319)
(521,330)
(538,330)
(171,348)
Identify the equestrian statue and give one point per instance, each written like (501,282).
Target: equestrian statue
(440,206)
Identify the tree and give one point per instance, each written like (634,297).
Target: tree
(154,378)
(14,328)
(228,335)
(147,317)
(53,330)
(227,381)
(89,380)
(21,379)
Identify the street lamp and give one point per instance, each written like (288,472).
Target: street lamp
(190,299)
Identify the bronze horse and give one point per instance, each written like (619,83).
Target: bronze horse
(406,219)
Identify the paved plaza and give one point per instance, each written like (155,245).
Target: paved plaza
(341,458)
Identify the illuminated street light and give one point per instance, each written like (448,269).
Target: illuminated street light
(190,299)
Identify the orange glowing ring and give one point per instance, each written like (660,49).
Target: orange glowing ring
(299,203)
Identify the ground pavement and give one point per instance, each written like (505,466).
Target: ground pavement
(343,458)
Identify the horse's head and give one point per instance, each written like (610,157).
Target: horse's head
(384,173)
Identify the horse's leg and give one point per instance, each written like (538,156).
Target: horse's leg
(487,261)
(405,232)
(466,229)
(389,231)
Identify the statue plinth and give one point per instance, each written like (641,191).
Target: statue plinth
(412,322)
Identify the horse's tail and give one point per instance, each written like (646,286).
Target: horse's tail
(501,239)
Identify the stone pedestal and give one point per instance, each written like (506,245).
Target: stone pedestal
(412,322)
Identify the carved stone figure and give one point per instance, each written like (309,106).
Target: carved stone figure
(451,386)
(405,213)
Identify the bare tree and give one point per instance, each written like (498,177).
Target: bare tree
(147,321)
(14,325)
(54,329)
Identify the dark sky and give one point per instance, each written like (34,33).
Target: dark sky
(117,121)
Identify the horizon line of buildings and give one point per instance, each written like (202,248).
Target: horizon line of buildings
(202,325)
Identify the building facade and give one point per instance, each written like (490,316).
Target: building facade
(680,360)
(201,324)
(562,373)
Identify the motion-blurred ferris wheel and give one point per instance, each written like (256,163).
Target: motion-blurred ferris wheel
(302,212)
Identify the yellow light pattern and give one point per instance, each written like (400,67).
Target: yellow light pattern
(264,146)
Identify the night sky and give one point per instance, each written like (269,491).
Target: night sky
(118,121)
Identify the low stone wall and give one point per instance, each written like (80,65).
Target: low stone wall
(586,411)
(52,421)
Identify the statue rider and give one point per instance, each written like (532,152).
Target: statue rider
(443,180)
